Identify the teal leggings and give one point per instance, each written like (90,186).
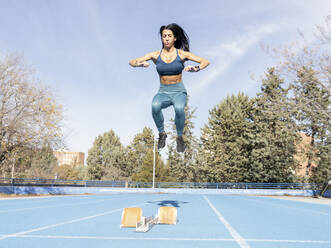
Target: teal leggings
(175,95)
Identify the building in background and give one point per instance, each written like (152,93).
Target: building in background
(301,157)
(69,158)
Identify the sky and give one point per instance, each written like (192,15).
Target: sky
(81,50)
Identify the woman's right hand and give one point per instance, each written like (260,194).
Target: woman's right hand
(143,64)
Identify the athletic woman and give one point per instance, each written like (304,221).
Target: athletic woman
(170,64)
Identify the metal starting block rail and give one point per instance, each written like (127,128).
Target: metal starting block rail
(146,223)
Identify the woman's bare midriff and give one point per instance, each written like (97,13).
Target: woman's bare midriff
(171,79)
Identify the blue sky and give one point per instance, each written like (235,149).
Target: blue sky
(81,49)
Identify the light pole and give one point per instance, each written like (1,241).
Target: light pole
(13,167)
(154,164)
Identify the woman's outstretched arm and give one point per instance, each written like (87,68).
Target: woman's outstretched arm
(142,61)
(203,63)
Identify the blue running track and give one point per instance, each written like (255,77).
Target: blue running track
(225,221)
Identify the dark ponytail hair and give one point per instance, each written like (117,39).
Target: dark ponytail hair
(182,40)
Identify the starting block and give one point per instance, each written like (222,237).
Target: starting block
(167,215)
(131,216)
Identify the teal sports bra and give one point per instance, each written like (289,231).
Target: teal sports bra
(174,68)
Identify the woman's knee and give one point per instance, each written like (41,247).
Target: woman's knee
(179,109)
(156,106)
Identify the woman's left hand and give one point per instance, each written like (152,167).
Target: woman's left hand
(192,68)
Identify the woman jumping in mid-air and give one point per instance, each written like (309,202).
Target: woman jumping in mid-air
(170,64)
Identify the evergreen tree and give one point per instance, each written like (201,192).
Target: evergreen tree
(227,141)
(275,134)
(107,158)
(43,163)
(145,174)
(32,163)
(182,166)
(141,158)
(312,112)
(322,172)
(67,172)
(141,144)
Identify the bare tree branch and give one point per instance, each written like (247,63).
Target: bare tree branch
(29,115)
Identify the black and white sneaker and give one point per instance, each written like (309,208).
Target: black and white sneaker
(162,140)
(180,144)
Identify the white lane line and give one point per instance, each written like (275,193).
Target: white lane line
(172,239)
(281,205)
(61,205)
(120,238)
(52,206)
(241,241)
(64,223)
(290,241)
(32,197)
(35,200)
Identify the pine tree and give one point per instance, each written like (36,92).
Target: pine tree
(43,162)
(145,174)
(227,140)
(322,172)
(67,172)
(107,158)
(33,163)
(138,149)
(275,134)
(312,112)
(95,163)
(141,158)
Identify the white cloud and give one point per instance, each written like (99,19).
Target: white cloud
(227,54)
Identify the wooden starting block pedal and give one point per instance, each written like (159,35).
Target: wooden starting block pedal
(131,216)
(167,215)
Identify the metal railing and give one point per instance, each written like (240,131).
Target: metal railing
(127,184)
(192,185)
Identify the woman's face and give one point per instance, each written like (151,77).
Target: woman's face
(168,38)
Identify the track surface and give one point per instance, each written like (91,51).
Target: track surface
(225,221)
